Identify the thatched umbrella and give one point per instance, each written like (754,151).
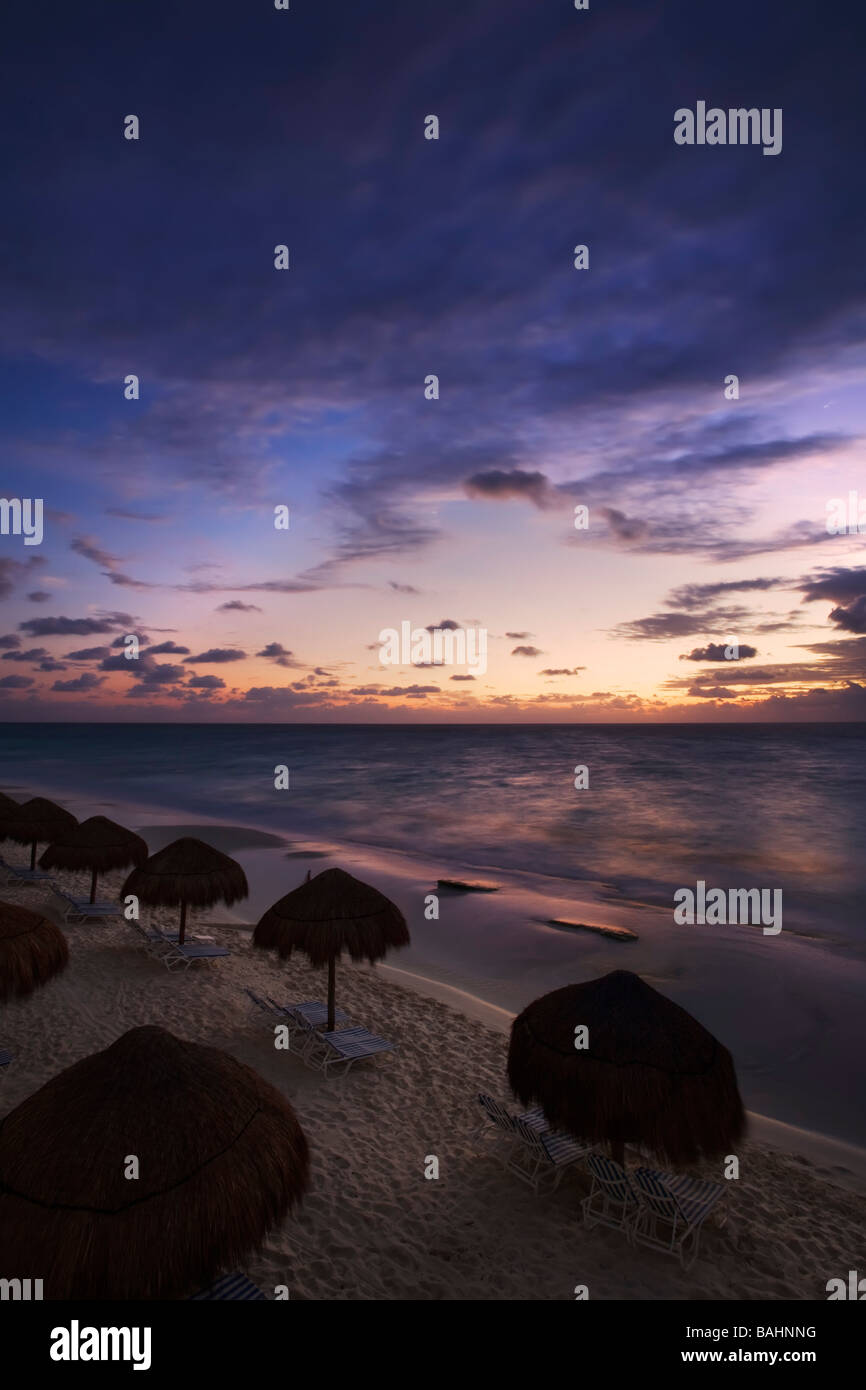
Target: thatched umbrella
(35,820)
(651,1074)
(32,949)
(327,915)
(221,1160)
(97,844)
(187,873)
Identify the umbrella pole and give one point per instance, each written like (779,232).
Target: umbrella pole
(332,991)
(182,932)
(93,887)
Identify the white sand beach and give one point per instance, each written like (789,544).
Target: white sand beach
(372,1226)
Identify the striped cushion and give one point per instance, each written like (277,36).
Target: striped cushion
(356,1042)
(231,1286)
(312,1013)
(84,904)
(614,1179)
(695,1197)
(535,1119)
(6,1058)
(655,1185)
(496,1112)
(560,1148)
(556,1148)
(672,1195)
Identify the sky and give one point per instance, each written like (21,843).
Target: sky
(702,582)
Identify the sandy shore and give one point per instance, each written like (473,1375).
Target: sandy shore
(789,1007)
(372,1226)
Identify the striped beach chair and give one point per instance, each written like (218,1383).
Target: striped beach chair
(613,1199)
(312,1014)
(6,1059)
(151,941)
(13,874)
(298,1018)
(264,1005)
(80,910)
(236,1287)
(535,1119)
(543,1155)
(168,951)
(496,1115)
(308,1020)
(179,957)
(326,1052)
(672,1210)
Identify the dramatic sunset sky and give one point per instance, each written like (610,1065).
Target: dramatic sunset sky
(305,387)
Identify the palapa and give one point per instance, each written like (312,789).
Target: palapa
(32,950)
(650,1074)
(329,914)
(187,873)
(35,820)
(97,844)
(221,1160)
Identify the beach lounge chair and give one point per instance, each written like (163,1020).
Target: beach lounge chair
(613,1199)
(80,910)
(503,1120)
(307,1020)
(543,1155)
(274,1013)
(154,944)
(312,1014)
(327,1051)
(6,1058)
(267,1006)
(13,874)
(672,1210)
(230,1286)
(496,1115)
(298,1018)
(179,957)
(168,951)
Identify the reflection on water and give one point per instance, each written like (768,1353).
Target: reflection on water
(773,806)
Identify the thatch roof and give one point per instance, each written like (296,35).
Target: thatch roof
(37,819)
(222,1158)
(32,949)
(187,871)
(331,913)
(97,843)
(651,1073)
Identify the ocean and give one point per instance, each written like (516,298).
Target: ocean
(779,807)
